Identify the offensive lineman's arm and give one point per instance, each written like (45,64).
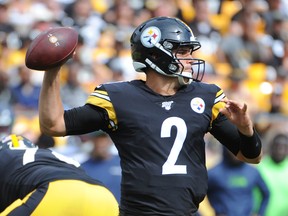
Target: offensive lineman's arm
(51,111)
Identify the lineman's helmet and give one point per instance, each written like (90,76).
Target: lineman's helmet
(14,141)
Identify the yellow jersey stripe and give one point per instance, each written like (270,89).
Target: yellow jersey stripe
(101,99)
(219,96)
(217,104)
(14,140)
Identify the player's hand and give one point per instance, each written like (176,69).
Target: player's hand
(54,70)
(237,113)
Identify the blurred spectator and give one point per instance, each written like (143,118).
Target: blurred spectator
(274,169)
(236,89)
(80,14)
(253,6)
(10,39)
(25,92)
(275,7)
(6,29)
(21,16)
(72,93)
(122,21)
(205,32)
(74,147)
(5,26)
(276,100)
(277,110)
(164,8)
(240,51)
(27,124)
(207,35)
(230,187)
(276,38)
(7,117)
(6,96)
(281,58)
(103,164)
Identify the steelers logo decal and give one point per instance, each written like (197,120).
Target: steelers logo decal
(150,36)
(197,105)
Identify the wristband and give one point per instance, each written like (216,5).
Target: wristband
(250,146)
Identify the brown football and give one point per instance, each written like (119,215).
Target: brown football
(51,48)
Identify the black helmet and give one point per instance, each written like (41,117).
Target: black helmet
(16,141)
(154,44)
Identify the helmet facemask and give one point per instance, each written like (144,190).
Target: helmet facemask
(196,71)
(175,68)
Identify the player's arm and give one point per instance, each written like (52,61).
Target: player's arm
(247,148)
(250,146)
(233,127)
(85,119)
(57,122)
(51,111)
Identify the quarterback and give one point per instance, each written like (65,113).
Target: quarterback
(158,125)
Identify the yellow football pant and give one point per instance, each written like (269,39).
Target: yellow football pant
(66,197)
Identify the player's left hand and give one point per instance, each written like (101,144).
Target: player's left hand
(237,113)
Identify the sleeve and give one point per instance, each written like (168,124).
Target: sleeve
(85,119)
(100,98)
(220,127)
(226,133)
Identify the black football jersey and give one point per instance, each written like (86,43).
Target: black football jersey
(23,170)
(160,140)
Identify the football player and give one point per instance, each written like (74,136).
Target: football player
(158,125)
(37,181)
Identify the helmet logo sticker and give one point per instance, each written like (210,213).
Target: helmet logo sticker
(198,105)
(150,36)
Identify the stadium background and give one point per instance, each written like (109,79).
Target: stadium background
(103,55)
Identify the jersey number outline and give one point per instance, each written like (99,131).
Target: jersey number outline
(29,156)
(170,167)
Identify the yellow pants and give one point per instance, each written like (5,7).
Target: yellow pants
(66,197)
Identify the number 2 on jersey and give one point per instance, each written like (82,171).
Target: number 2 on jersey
(170,167)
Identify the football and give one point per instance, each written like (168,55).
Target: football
(51,48)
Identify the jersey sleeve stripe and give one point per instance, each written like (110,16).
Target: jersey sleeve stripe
(101,99)
(101,95)
(217,104)
(219,96)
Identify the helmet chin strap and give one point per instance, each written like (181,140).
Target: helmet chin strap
(185,78)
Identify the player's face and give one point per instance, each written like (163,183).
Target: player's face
(184,55)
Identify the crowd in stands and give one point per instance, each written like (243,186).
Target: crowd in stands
(244,44)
